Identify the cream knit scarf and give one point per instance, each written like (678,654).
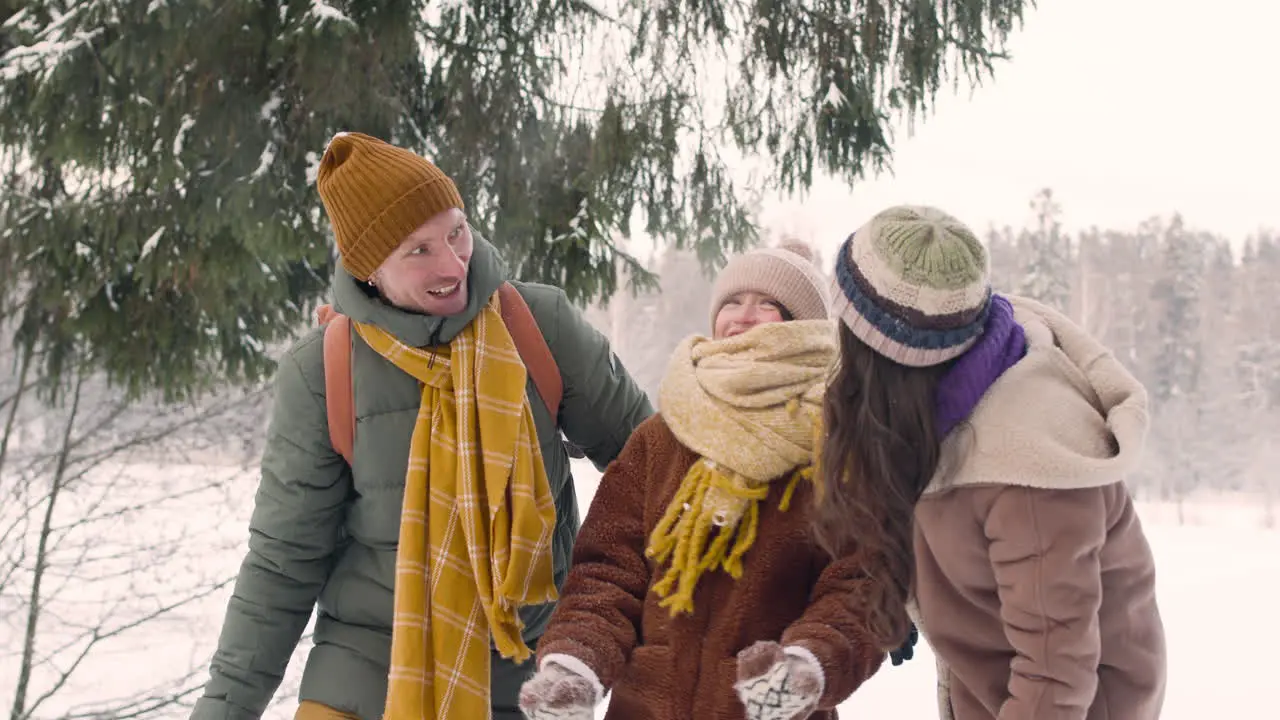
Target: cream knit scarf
(750,406)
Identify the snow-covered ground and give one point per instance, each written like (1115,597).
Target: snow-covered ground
(1219,575)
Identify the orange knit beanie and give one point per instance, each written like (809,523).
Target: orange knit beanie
(376,194)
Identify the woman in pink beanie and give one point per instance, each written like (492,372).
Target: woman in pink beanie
(696,591)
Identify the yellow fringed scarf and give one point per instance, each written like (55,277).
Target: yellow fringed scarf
(750,406)
(477,482)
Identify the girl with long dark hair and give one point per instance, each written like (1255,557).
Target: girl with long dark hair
(976,452)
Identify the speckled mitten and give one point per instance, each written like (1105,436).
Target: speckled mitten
(557,693)
(776,685)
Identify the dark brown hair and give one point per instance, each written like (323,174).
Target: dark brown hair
(881,450)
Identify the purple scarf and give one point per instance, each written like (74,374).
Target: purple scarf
(1002,344)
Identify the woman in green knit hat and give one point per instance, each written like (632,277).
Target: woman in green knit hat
(696,591)
(976,454)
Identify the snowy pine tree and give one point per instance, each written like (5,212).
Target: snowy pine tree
(1175,387)
(1046,250)
(1223,450)
(1178,296)
(158,154)
(1257,415)
(1002,249)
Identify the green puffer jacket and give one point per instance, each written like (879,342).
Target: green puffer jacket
(324,536)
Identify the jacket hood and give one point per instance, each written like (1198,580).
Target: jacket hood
(1066,416)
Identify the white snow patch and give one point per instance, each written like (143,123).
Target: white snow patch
(83,251)
(252,342)
(150,245)
(834,97)
(465,16)
(264,161)
(313,166)
(111,298)
(180,137)
(576,230)
(21,21)
(321,12)
(270,106)
(43,56)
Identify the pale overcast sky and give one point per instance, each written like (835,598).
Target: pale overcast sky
(1126,108)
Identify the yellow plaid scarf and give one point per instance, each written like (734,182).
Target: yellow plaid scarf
(475,531)
(750,405)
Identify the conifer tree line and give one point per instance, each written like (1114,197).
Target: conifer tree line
(1196,320)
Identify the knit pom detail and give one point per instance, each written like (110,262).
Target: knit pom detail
(797,246)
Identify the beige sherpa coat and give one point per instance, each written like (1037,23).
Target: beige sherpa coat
(1035,585)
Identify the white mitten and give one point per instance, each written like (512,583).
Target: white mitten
(556,692)
(778,684)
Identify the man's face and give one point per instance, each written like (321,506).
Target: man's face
(428,273)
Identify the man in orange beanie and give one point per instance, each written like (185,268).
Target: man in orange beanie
(433,538)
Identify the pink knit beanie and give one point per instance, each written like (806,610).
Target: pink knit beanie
(785,273)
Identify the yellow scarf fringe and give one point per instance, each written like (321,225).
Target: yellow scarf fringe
(683,534)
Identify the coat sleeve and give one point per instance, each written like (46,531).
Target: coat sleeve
(602,403)
(1044,551)
(833,629)
(295,528)
(597,620)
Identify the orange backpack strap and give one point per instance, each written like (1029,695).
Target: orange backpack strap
(532,346)
(339,390)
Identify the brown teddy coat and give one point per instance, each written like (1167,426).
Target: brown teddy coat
(664,668)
